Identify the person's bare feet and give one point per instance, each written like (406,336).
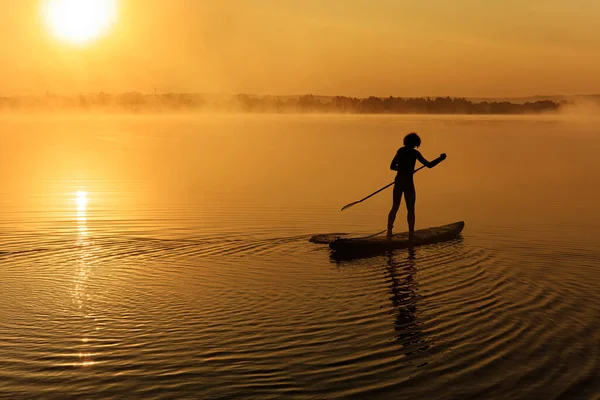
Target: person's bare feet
(389,234)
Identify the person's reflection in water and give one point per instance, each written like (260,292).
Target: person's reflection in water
(404,299)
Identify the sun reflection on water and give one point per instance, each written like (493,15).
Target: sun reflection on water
(83,272)
(81,200)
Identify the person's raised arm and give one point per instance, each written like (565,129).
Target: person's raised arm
(430,164)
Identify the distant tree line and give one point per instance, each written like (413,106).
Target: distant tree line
(188,102)
(391,105)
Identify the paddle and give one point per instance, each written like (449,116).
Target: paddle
(374,193)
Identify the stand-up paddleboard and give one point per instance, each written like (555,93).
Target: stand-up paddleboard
(327,238)
(376,244)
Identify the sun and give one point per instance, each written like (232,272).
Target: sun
(79,21)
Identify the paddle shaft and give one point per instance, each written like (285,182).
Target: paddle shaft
(374,193)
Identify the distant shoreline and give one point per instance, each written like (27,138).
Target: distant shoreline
(136,102)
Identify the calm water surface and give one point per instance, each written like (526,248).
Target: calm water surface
(167,257)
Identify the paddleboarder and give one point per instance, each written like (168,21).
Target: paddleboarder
(404,163)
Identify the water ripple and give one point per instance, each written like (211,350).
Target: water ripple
(275,315)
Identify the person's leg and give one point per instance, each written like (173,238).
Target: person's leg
(397,198)
(411,198)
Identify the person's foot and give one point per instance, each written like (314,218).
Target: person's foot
(389,234)
(411,236)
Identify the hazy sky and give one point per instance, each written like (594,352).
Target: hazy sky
(351,47)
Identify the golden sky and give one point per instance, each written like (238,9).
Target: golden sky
(351,47)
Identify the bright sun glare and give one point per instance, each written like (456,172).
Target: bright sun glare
(81,200)
(79,21)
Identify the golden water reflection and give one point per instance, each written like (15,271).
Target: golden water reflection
(83,271)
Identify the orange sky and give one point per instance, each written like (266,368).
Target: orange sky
(351,47)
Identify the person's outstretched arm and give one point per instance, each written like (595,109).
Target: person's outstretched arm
(430,164)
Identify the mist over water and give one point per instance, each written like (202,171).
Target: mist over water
(169,257)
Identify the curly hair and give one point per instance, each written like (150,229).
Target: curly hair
(412,140)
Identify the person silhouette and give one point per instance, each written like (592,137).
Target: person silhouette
(404,163)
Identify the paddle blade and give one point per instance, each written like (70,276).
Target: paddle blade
(350,205)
